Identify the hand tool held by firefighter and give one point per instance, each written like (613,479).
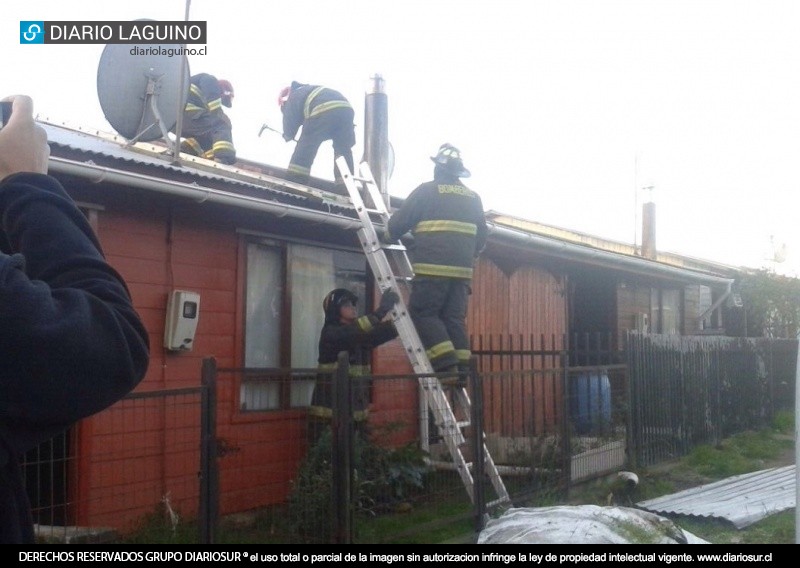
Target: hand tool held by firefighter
(266,126)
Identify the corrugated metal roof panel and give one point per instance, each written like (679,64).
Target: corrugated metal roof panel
(742,499)
(148,155)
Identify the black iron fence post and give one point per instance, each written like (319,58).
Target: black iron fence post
(565,426)
(209,471)
(479,458)
(632,430)
(341,449)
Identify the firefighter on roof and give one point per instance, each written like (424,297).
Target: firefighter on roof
(324,114)
(206,128)
(344,330)
(447,221)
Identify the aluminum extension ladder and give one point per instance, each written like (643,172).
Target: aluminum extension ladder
(432,393)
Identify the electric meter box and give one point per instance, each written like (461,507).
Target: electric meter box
(183,310)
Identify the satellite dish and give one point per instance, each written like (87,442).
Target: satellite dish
(138,87)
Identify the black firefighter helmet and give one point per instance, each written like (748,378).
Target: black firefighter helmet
(334,300)
(450,157)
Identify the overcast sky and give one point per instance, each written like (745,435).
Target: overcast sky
(563,109)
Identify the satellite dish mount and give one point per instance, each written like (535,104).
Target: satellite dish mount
(152,92)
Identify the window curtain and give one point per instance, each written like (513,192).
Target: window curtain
(264,301)
(313,275)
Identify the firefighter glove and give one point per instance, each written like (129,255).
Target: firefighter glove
(388,300)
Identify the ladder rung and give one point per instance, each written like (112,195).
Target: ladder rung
(499,501)
(373,211)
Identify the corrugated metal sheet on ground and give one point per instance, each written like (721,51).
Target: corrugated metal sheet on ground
(742,499)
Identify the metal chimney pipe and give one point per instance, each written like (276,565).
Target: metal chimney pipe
(376,133)
(649,229)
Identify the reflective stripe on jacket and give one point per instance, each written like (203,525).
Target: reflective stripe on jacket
(205,96)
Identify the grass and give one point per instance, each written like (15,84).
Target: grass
(441,520)
(775,529)
(447,519)
(743,453)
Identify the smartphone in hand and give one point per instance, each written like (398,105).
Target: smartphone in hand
(5,106)
(6,112)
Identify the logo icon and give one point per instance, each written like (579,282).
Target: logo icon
(31,32)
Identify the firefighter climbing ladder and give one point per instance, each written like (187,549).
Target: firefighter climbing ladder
(435,398)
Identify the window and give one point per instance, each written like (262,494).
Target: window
(263,317)
(665,307)
(297,275)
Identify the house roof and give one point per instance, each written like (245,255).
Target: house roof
(95,146)
(628,249)
(98,155)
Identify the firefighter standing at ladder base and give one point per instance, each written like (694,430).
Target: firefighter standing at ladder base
(449,227)
(206,127)
(324,114)
(345,331)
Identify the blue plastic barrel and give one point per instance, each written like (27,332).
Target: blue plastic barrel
(590,403)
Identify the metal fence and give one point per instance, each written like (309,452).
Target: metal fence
(687,391)
(136,459)
(554,416)
(551,418)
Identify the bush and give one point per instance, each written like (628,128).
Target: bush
(383,477)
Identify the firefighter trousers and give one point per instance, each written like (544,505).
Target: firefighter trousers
(208,136)
(438,307)
(335,125)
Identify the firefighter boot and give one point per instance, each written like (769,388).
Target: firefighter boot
(451,377)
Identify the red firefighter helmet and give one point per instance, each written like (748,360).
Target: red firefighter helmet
(283,96)
(227,92)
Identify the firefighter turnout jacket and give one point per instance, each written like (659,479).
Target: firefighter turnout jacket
(206,127)
(357,338)
(447,221)
(308,101)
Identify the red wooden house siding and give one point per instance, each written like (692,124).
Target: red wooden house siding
(522,307)
(157,251)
